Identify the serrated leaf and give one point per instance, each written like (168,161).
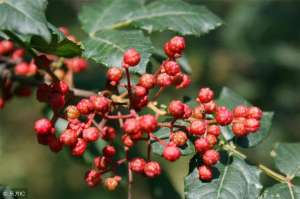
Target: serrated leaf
(281,191)
(232,179)
(231,99)
(287,158)
(164,135)
(108,48)
(24,17)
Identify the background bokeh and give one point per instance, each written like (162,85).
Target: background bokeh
(256,53)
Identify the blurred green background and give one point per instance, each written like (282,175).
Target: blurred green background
(256,53)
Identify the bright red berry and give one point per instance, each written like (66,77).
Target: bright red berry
(57,100)
(85,106)
(92,178)
(223,116)
(72,112)
(177,44)
(199,112)
(60,87)
(163,80)
(137,165)
(198,127)
(254,112)
(22,69)
(100,103)
(152,169)
(185,82)
(90,134)
(171,68)
(239,129)
(205,95)
(171,153)
(131,126)
(148,123)
(211,139)
(240,111)
(131,57)
(18,54)
(127,141)
(101,162)
(211,157)
(202,145)
(68,137)
(147,81)
(252,125)
(179,138)
(54,144)
(176,108)
(109,151)
(139,91)
(214,130)
(205,173)
(2,103)
(79,148)
(168,50)
(43,126)
(210,107)
(77,64)
(6,46)
(108,133)
(187,112)
(114,75)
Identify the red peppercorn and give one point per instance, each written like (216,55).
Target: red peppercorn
(54,144)
(202,145)
(210,107)
(252,125)
(205,173)
(2,103)
(131,58)
(79,148)
(254,112)
(163,80)
(101,162)
(211,139)
(240,111)
(214,130)
(109,151)
(18,54)
(108,133)
(131,126)
(76,64)
(179,138)
(68,137)
(139,91)
(199,112)
(198,127)
(22,69)
(43,126)
(223,116)
(137,165)
(187,112)
(114,75)
(176,108)
(100,103)
(185,82)
(72,112)
(92,178)
(57,100)
(148,123)
(85,106)
(171,153)
(147,81)
(168,50)
(239,129)
(152,169)
(90,134)
(6,46)
(42,139)
(127,141)
(205,95)
(171,68)
(177,44)
(211,157)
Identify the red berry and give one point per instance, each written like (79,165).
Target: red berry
(18,54)
(57,101)
(100,103)
(127,141)
(171,153)
(42,139)
(92,178)
(109,151)
(101,162)
(85,106)
(199,112)
(108,133)
(163,80)
(254,112)
(152,169)
(72,112)
(131,126)
(211,157)
(176,108)
(205,173)
(211,139)
(32,68)
(137,165)
(210,106)
(252,125)
(43,126)
(171,68)
(114,75)
(214,130)
(148,123)
(139,102)
(139,91)
(202,145)
(6,46)
(68,137)
(177,44)
(205,95)
(179,138)
(111,184)
(77,64)
(223,116)
(90,134)
(240,111)
(54,144)
(131,57)
(60,87)
(239,129)
(147,81)
(168,50)
(22,69)
(185,82)
(187,112)
(198,127)
(2,103)
(79,148)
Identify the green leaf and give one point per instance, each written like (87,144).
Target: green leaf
(287,158)
(281,191)
(24,17)
(233,179)
(231,99)
(60,125)
(108,48)
(164,135)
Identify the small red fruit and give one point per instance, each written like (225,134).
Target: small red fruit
(111,183)
(223,116)
(179,138)
(79,148)
(202,145)
(72,112)
(137,165)
(147,81)
(205,173)
(210,107)
(171,153)
(92,178)
(90,134)
(131,58)
(114,75)
(177,44)
(152,169)
(100,103)
(85,106)
(54,144)
(68,137)
(211,157)
(199,112)
(76,64)
(22,69)
(108,133)
(240,111)
(171,68)
(211,139)
(176,108)
(205,95)
(252,125)
(148,123)
(163,80)
(214,130)
(109,151)
(198,127)
(101,162)
(131,126)
(185,82)
(43,126)
(254,112)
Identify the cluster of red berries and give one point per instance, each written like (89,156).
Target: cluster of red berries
(89,117)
